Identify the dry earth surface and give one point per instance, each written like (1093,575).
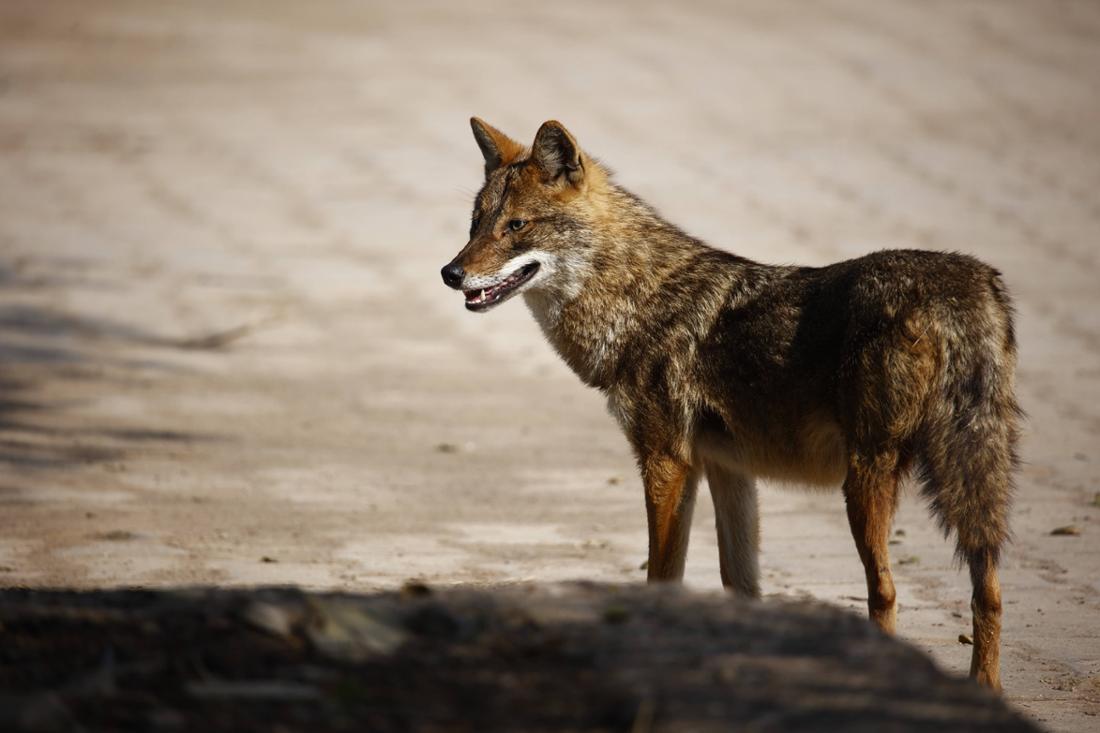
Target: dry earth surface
(227,358)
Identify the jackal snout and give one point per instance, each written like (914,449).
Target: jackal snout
(453,275)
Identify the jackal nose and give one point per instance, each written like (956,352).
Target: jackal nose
(452,274)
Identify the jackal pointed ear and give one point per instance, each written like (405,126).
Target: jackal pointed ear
(556,152)
(498,148)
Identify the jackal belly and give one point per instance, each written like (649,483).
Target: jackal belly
(813,454)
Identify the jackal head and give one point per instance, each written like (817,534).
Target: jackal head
(532,218)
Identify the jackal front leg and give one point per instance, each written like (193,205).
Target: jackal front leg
(670,485)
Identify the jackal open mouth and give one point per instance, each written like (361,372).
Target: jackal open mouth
(483,298)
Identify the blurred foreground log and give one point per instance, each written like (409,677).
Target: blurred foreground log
(561,657)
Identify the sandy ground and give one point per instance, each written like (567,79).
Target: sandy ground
(227,357)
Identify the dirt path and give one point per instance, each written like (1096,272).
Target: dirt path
(227,358)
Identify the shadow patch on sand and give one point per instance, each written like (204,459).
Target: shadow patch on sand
(45,351)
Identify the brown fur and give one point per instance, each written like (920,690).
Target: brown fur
(857,373)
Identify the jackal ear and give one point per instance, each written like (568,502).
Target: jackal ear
(498,148)
(556,153)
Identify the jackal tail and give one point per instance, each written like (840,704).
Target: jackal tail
(968,452)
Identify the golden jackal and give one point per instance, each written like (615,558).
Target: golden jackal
(854,374)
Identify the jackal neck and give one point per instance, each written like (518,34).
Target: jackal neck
(610,297)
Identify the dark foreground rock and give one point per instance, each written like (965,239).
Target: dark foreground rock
(565,657)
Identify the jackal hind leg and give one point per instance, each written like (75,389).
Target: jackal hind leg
(985,607)
(870,493)
(670,487)
(737,519)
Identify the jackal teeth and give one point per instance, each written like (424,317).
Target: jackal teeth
(493,294)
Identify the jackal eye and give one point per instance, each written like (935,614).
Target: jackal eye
(474,224)
(516,224)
